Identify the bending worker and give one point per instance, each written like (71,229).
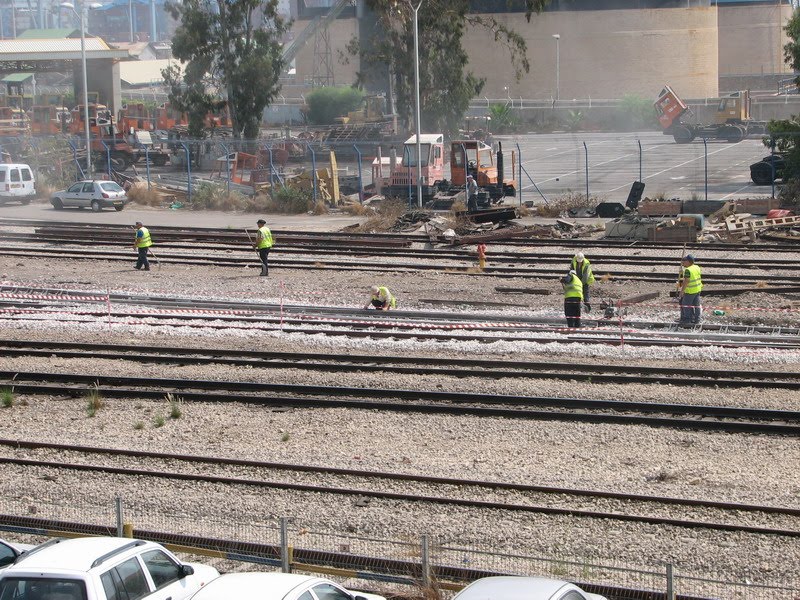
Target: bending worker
(142,243)
(263,245)
(690,285)
(583,268)
(472,194)
(381,298)
(573,297)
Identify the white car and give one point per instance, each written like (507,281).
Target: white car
(10,551)
(277,586)
(523,588)
(101,568)
(96,194)
(17,183)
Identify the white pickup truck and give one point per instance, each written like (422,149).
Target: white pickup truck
(101,568)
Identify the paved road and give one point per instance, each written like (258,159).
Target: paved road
(556,163)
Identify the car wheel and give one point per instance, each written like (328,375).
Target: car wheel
(160,160)
(682,135)
(119,208)
(57,203)
(95,206)
(761,174)
(25,201)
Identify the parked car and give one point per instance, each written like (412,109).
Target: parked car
(10,551)
(761,172)
(523,588)
(17,183)
(101,568)
(97,194)
(277,586)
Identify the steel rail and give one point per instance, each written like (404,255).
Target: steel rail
(317,469)
(406,497)
(593,373)
(458,403)
(417,238)
(311,264)
(375,318)
(354,249)
(388,331)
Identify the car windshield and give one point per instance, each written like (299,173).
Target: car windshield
(41,588)
(110,186)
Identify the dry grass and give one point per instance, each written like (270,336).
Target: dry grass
(213,196)
(524,211)
(141,195)
(564,202)
(385,217)
(320,208)
(761,284)
(44,191)
(356,210)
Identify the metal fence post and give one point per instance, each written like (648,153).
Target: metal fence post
(772,162)
(640,158)
(705,154)
(108,157)
(147,164)
(586,154)
(77,162)
(313,170)
(285,566)
(188,172)
(360,178)
(407,153)
(118,510)
(426,562)
(670,583)
(519,179)
(227,167)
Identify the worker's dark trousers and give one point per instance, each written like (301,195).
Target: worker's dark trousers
(586,297)
(572,311)
(142,261)
(690,308)
(263,254)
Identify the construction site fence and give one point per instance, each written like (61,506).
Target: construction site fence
(257,540)
(599,166)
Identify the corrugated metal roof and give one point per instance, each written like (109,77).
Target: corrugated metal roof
(16,78)
(56,49)
(49,34)
(144,72)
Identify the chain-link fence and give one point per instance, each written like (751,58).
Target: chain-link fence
(245,542)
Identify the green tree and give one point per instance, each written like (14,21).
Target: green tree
(791,51)
(327,103)
(446,86)
(232,50)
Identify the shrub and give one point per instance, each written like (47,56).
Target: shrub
(94,401)
(159,421)
(635,112)
(7,398)
(327,103)
(287,201)
(215,196)
(564,202)
(504,120)
(139,425)
(386,215)
(175,408)
(139,194)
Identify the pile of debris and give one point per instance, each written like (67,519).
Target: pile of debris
(779,225)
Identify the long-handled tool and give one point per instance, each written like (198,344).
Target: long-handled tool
(249,237)
(153,254)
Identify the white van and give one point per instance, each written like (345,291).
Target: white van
(16,183)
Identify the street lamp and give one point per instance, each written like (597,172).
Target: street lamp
(557,37)
(82,17)
(416,101)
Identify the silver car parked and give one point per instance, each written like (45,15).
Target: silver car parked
(97,194)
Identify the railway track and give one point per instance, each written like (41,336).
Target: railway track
(58,304)
(425,366)
(167,258)
(370,485)
(278,395)
(384,239)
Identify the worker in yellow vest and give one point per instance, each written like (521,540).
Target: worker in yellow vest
(381,298)
(573,298)
(142,243)
(690,284)
(583,269)
(263,245)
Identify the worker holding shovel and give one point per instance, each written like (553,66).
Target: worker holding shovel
(263,245)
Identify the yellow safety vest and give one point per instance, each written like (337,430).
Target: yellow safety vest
(574,289)
(385,296)
(265,241)
(145,241)
(585,274)
(694,285)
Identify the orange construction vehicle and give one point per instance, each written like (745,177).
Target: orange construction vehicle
(473,157)
(13,121)
(732,120)
(49,119)
(403,178)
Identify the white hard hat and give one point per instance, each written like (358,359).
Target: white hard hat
(374,289)
(579,257)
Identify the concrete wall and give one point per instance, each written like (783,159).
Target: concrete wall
(605,54)
(751,39)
